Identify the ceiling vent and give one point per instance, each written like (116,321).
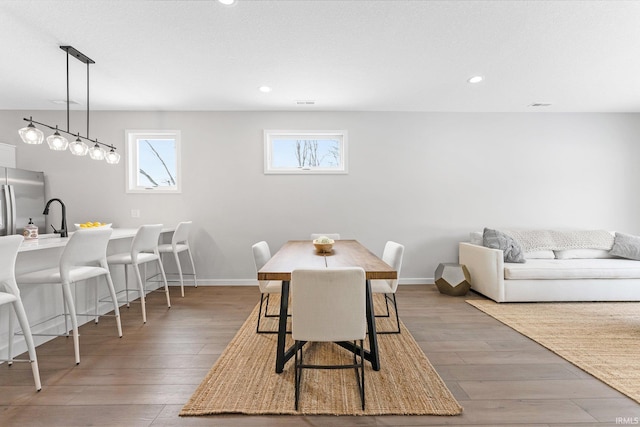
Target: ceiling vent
(305,102)
(540,104)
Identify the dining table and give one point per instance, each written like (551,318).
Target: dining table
(297,254)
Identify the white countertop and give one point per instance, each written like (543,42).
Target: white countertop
(48,241)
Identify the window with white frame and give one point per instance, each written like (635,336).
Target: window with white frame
(153,161)
(305,152)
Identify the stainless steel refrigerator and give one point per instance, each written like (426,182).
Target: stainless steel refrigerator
(21,198)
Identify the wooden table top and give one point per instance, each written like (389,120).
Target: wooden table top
(346,253)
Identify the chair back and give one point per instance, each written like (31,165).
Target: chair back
(146,240)
(9,246)
(392,255)
(85,247)
(261,254)
(181,234)
(328,304)
(334,236)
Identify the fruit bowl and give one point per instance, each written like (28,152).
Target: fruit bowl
(323,245)
(92,225)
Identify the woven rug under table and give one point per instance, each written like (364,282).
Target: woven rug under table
(601,338)
(243,380)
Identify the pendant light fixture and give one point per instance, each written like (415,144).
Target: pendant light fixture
(78,147)
(96,152)
(112,157)
(57,142)
(32,135)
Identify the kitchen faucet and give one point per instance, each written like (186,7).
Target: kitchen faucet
(63,227)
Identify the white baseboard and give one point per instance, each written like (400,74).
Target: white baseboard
(253,282)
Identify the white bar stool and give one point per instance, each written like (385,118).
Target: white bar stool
(180,243)
(144,249)
(10,294)
(84,257)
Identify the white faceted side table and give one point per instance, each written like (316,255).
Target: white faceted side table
(452,279)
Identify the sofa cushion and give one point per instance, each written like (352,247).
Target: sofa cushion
(511,249)
(582,254)
(573,269)
(533,240)
(626,246)
(543,254)
(475,238)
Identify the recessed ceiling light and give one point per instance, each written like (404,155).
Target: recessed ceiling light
(227,2)
(264,89)
(475,79)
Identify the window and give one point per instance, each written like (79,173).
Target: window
(153,161)
(305,152)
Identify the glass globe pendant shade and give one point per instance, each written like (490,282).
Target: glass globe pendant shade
(57,142)
(31,134)
(78,148)
(96,152)
(112,157)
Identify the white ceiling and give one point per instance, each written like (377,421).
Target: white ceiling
(349,55)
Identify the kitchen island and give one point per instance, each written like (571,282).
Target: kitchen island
(42,302)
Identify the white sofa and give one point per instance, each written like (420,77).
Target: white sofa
(544,277)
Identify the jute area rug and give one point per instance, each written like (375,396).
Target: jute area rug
(243,380)
(600,338)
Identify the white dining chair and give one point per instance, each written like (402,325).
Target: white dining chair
(180,243)
(334,236)
(262,254)
(10,294)
(328,305)
(144,249)
(84,257)
(392,255)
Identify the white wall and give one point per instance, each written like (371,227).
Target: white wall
(422,179)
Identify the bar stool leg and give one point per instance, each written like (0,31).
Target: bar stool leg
(96,313)
(126,285)
(74,321)
(176,255)
(166,286)
(193,268)
(10,343)
(114,298)
(141,292)
(28,338)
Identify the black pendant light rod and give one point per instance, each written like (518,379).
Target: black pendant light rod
(68,92)
(87,100)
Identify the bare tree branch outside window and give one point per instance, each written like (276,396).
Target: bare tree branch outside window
(170,180)
(308,154)
(153,182)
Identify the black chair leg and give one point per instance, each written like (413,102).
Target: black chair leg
(266,309)
(362,371)
(395,308)
(298,372)
(260,313)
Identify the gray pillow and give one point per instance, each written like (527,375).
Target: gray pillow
(626,246)
(498,240)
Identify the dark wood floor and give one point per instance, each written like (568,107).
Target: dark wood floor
(143,379)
